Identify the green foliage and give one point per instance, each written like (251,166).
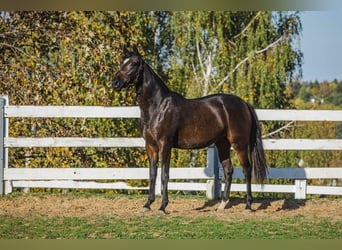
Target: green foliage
(66,58)
(250,54)
(320,92)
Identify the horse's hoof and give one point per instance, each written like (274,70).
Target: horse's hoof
(146,209)
(250,210)
(161,212)
(223,205)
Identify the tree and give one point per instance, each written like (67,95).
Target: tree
(66,58)
(250,54)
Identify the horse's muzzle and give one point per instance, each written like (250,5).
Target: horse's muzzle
(117,84)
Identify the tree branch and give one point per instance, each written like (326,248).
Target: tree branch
(269,46)
(246,59)
(248,25)
(199,57)
(206,70)
(278,130)
(14,48)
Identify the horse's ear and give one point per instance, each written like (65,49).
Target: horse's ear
(135,50)
(125,51)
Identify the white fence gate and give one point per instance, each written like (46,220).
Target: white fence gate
(86,178)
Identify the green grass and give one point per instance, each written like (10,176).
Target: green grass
(163,227)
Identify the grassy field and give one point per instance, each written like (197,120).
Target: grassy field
(36,224)
(166,228)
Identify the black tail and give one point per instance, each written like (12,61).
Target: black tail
(256,149)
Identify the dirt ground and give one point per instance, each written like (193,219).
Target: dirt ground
(50,205)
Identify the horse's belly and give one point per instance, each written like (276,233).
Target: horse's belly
(197,137)
(184,144)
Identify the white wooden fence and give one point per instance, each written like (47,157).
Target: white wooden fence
(86,177)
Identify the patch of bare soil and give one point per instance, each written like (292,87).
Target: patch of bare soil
(48,205)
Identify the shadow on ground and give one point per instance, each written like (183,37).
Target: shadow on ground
(288,204)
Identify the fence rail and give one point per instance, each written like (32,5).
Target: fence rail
(87,178)
(134,112)
(269,144)
(77,178)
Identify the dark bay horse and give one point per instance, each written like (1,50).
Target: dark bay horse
(168,120)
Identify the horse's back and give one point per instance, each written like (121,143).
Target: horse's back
(229,107)
(205,120)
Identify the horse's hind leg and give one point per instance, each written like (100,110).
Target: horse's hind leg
(223,148)
(247,170)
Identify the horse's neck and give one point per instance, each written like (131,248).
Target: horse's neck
(152,90)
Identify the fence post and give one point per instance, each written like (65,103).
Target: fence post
(158,189)
(213,186)
(2,146)
(300,189)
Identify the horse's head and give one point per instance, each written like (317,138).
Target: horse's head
(130,70)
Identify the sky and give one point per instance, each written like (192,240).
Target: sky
(321,43)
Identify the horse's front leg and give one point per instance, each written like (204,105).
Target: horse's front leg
(152,153)
(165,169)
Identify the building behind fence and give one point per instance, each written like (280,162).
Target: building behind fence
(86,178)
